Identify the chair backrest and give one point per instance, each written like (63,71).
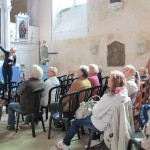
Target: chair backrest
(70,76)
(73,105)
(62,78)
(7,86)
(67,81)
(104,85)
(85,94)
(96,90)
(64,89)
(105,80)
(37,99)
(57,91)
(2,90)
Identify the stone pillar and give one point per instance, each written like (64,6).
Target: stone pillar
(7,6)
(32,11)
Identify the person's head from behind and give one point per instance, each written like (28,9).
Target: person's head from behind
(36,72)
(12,51)
(100,69)
(116,79)
(143,72)
(93,69)
(52,72)
(82,72)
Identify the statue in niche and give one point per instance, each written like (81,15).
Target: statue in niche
(22,30)
(116,54)
(44,57)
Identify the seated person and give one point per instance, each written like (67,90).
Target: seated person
(51,82)
(81,83)
(25,89)
(100,75)
(143,73)
(102,111)
(133,81)
(93,78)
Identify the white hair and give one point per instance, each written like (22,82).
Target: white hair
(53,69)
(37,71)
(95,67)
(132,68)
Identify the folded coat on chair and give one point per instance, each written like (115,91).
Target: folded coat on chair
(121,128)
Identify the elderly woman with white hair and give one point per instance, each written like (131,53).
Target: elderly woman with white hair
(25,89)
(93,78)
(51,82)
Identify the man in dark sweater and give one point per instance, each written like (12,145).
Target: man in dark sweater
(26,101)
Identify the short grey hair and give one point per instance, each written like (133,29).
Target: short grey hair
(132,68)
(85,70)
(53,69)
(95,67)
(37,71)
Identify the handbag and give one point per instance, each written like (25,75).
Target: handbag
(85,108)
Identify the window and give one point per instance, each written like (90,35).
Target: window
(69,18)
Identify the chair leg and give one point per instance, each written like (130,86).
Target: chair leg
(43,125)
(46,113)
(22,118)
(17,124)
(90,138)
(78,133)
(82,131)
(50,126)
(32,125)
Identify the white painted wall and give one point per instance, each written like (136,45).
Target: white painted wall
(129,26)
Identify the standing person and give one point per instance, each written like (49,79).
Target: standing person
(9,61)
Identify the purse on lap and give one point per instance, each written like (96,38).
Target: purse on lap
(85,108)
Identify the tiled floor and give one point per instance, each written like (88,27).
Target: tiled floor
(23,140)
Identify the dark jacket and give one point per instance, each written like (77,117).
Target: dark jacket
(100,78)
(8,60)
(25,90)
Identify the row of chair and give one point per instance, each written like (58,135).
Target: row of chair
(74,100)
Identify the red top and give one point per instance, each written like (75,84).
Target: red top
(94,82)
